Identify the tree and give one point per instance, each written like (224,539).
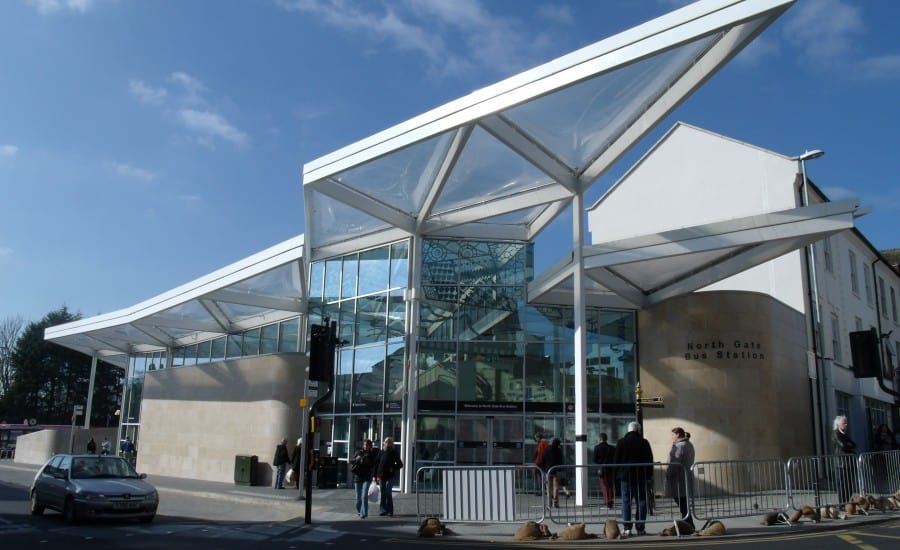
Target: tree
(9,334)
(48,380)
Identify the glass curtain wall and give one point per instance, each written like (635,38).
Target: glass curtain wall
(364,294)
(493,370)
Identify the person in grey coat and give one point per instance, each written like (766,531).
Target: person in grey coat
(678,472)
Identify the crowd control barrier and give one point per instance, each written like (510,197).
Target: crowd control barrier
(738,488)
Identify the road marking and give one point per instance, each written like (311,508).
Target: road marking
(856,542)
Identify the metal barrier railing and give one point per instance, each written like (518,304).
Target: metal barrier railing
(879,473)
(738,488)
(828,480)
(711,490)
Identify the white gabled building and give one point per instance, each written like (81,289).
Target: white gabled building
(737,356)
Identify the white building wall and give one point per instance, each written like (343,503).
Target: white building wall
(691,177)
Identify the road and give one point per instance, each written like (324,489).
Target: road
(194,522)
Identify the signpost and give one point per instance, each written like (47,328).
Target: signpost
(76,412)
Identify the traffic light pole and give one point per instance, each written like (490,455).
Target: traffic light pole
(322,345)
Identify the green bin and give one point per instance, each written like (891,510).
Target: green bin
(245,467)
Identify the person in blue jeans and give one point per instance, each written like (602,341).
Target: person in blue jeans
(280,461)
(363,467)
(389,464)
(635,451)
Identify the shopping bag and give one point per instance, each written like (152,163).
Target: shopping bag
(374,492)
(289,478)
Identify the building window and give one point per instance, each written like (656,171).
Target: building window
(867,281)
(842,403)
(882,297)
(829,260)
(893,304)
(836,339)
(854,274)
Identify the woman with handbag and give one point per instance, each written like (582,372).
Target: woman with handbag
(362,466)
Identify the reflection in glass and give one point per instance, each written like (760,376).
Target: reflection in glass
(289,336)
(371,319)
(233,346)
(374,269)
(394,380)
(343,380)
(399,265)
(218,350)
(268,339)
(489,372)
(349,276)
(437,371)
(368,376)
(250,345)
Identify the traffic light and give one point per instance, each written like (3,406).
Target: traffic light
(864,352)
(321,352)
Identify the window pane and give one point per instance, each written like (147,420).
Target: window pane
(396,328)
(490,372)
(395,361)
(491,313)
(343,381)
(316,280)
(233,346)
(374,268)
(288,336)
(250,346)
(218,350)
(203,349)
(368,379)
(268,339)
(399,265)
(371,319)
(439,262)
(332,280)
(347,324)
(437,317)
(349,276)
(437,375)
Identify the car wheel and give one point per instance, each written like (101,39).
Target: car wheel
(69,512)
(36,508)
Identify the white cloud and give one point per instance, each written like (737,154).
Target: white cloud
(452,36)
(146,93)
(757,51)
(130,172)
(837,193)
(5,251)
(825,31)
(8,150)
(193,87)
(881,67)
(212,125)
(559,13)
(50,7)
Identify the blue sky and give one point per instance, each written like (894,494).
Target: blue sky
(144,144)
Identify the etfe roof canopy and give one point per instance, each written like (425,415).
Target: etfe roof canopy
(504,161)
(500,163)
(264,288)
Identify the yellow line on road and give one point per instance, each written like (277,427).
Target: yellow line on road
(856,542)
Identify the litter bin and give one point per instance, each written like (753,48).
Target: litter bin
(326,476)
(245,467)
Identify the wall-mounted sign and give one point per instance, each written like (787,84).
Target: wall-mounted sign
(724,350)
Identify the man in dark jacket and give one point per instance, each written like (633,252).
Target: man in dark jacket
(389,464)
(634,453)
(604,453)
(280,461)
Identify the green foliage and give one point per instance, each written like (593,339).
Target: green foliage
(49,380)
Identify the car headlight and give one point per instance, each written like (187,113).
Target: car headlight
(151,497)
(90,495)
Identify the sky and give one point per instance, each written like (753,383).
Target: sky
(144,144)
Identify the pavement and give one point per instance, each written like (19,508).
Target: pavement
(335,508)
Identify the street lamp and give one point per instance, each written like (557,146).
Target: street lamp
(815,322)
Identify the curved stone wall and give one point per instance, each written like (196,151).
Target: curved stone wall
(732,369)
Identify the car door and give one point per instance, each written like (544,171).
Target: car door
(43,481)
(58,480)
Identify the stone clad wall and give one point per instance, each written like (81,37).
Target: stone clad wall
(732,369)
(195,420)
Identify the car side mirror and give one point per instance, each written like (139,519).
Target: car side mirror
(142,476)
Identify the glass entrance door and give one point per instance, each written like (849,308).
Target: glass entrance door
(489,440)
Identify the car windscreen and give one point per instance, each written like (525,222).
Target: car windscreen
(99,467)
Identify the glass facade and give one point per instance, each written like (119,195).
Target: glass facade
(491,369)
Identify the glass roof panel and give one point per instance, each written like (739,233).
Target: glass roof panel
(332,221)
(186,312)
(519,217)
(659,271)
(240,312)
(579,122)
(283,281)
(402,178)
(486,170)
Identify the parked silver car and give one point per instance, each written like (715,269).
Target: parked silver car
(92,486)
